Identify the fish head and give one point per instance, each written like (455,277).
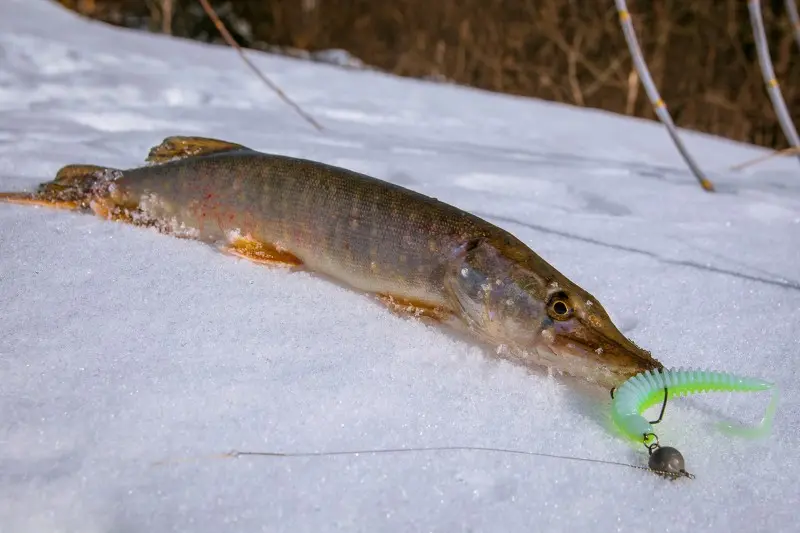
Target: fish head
(579,334)
(516,299)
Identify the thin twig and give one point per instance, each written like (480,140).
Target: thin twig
(791,8)
(760,159)
(572,59)
(765,62)
(232,42)
(633,92)
(659,106)
(600,81)
(166,16)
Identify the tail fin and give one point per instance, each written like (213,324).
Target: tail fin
(73,188)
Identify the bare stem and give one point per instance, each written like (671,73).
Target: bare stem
(659,106)
(793,150)
(765,62)
(232,42)
(166,16)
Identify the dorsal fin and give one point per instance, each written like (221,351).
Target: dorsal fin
(179,147)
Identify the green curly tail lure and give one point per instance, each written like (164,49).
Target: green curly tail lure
(648,388)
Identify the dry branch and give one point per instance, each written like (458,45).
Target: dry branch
(650,88)
(793,150)
(166,16)
(232,42)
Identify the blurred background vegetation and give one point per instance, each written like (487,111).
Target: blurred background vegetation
(701,54)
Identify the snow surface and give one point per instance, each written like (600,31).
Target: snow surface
(129,361)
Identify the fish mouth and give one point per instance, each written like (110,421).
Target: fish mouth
(603,359)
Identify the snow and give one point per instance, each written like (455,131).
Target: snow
(131,361)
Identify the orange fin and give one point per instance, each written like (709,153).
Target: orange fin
(78,174)
(414,308)
(74,188)
(26,198)
(262,253)
(179,147)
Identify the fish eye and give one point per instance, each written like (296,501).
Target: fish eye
(559,307)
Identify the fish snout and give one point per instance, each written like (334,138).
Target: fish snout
(603,355)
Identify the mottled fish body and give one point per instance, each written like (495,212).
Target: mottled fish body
(419,255)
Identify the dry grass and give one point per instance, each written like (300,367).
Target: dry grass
(701,54)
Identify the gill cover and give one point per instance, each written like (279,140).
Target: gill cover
(488,289)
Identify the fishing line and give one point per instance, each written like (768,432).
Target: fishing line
(234,454)
(629,402)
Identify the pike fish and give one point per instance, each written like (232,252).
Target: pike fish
(418,255)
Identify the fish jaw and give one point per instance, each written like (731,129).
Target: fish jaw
(585,351)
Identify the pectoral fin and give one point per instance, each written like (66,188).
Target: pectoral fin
(262,253)
(413,308)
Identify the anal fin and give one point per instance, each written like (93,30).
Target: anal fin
(262,253)
(180,147)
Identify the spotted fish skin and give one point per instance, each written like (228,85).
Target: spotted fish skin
(373,235)
(422,255)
